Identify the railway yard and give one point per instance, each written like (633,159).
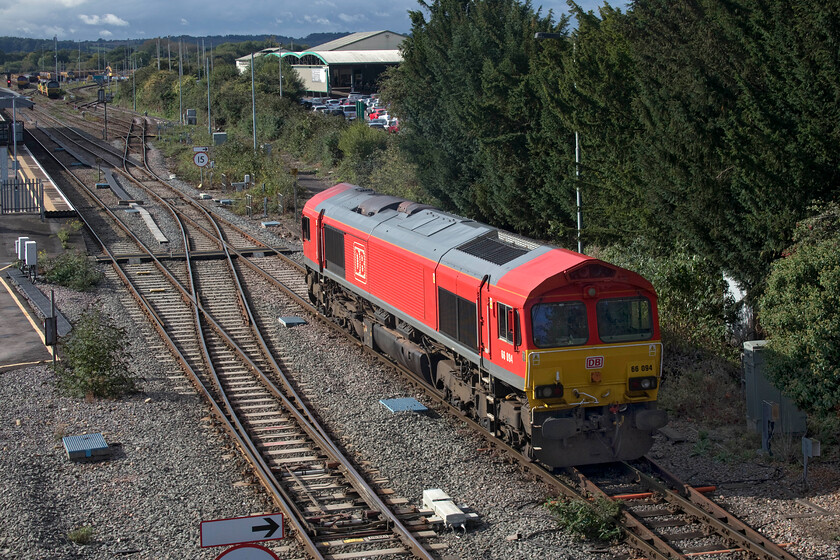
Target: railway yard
(238,415)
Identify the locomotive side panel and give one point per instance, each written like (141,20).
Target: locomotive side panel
(399,278)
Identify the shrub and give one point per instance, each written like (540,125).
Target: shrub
(95,361)
(361,147)
(590,521)
(800,311)
(73,270)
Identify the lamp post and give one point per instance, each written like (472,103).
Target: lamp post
(578,203)
(253,103)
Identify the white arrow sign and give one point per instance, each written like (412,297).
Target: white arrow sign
(256,528)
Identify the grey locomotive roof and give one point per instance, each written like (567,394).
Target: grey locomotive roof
(465,245)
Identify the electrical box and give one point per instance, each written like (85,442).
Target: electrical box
(758,389)
(30,253)
(20,247)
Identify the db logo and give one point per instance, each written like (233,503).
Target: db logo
(359,262)
(594,362)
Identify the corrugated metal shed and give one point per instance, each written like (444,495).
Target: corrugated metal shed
(356,41)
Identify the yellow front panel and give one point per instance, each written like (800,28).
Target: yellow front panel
(597,373)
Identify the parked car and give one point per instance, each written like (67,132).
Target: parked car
(378,123)
(319,108)
(349,112)
(332,102)
(393,126)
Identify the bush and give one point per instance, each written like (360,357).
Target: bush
(73,270)
(800,311)
(590,521)
(95,361)
(361,147)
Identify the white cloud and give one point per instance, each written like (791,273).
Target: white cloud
(105,33)
(316,20)
(107,19)
(72,3)
(184,22)
(351,18)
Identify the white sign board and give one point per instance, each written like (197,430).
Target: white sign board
(201,159)
(247,552)
(256,528)
(200,148)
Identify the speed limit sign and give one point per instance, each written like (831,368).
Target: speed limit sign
(201,159)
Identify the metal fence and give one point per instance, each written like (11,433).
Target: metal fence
(22,197)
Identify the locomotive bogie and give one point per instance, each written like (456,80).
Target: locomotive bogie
(554,352)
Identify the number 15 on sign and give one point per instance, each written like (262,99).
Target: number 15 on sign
(201,159)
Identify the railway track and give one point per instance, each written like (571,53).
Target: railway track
(201,310)
(662,517)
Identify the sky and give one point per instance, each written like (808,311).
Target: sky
(89,20)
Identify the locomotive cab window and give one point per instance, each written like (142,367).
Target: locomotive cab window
(624,319)
(508,323)
(561,323)
(304,227)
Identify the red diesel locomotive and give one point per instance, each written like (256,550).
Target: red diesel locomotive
(555,352)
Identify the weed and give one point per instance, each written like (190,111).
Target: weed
(95,363)
(68,229)
(82,535)
(73,270)
(703,443)
(588,520)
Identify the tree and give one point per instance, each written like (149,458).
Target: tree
(800,311)
(95,361)
(468,106)
(739,114)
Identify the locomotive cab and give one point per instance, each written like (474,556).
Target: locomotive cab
(593,367)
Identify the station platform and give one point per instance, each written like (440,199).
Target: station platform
(56,204)
(21,330)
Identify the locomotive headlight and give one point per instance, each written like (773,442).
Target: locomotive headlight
(543,392)
(642,383)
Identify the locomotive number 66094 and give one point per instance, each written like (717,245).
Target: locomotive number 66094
(556,352)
